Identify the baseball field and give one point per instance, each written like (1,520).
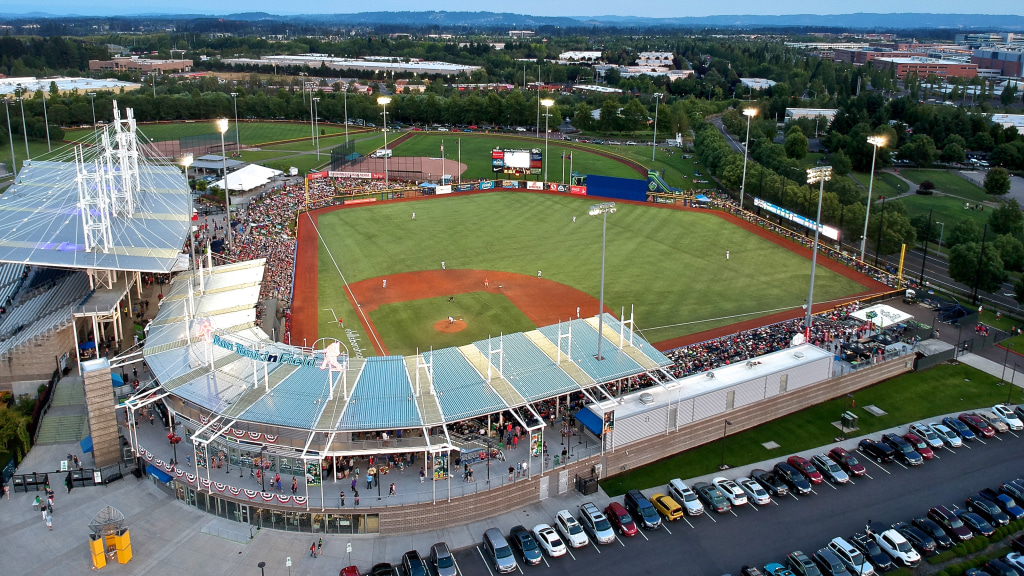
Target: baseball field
(469,266)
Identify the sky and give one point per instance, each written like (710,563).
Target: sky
(648,8)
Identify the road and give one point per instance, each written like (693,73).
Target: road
(721,544)
(737,146)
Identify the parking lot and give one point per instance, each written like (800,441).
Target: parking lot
(722,543)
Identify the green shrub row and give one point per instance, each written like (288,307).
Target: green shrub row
(975,545)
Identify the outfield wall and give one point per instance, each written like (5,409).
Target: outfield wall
(617,188)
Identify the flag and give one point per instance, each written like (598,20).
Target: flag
(195,215)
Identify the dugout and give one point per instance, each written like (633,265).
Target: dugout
(617,188)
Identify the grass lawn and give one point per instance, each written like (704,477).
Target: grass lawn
(907,398)
(946,209)
(251,133)
(678,171)
(669,264)
(404,326)
(476,154)
(36,148)
(886,185)
(949,183)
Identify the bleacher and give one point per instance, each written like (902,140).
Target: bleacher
(42,312)
(11,279)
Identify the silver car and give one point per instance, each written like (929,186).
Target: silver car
(442,561)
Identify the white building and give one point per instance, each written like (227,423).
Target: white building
(1008,120)
(757,83)
(581,56)
(798,113)
(655,59)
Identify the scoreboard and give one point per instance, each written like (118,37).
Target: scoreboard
(517,162)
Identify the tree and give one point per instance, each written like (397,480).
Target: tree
(841,163)
(997,181)
(963,266)
(1007,219)
(965,232)
(14,436)
(953,153)
(1011,251)
(796,144)
(1009,93)
(920,150)
(896,228)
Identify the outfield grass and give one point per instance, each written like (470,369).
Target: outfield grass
(670,264)
(949,183)
(476,155)
(404,326)
(677,171)
(907,398)
(251,133)
(886,185)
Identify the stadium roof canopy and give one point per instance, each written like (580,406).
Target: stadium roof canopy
(262,382)
(41,223)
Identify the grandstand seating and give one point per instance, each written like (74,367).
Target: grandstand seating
(43,312)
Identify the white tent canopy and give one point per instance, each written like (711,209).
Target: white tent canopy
(882,316)
(245,179)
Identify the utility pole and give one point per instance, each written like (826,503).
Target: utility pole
(924,257)
(981,259)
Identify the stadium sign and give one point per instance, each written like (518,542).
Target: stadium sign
(827,231)
(321,360)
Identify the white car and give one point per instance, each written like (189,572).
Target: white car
(754,491)
(736,495)
(927,434)
(549,540)
(895,545)
(682,494)
(571,530)
(1016,560)
(949,438)
(1006,414)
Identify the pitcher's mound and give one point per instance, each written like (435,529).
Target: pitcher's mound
(444,327)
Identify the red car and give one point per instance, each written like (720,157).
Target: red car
(621,519)
(806,468)
(920,445)
(977,425)
(349,571)
(847,462)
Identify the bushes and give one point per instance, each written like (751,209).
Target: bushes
(974,546)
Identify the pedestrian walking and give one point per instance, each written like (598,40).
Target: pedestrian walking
(525,468)
(295,484)
(342,495)
(320,547)
(392,491)
(423,476)
(312,549)
(369,481)
(355,495)
(511,472)
(354,480)
(49,522)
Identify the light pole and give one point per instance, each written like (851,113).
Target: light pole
(92,97)
(46,123)
(725,432)
(315,123)
(1006,357)
(222,126)
(603,209)
(654,141)
(384,101)
(875,141)
(186,161)
(1009,391)
(547,102)
(10,138)
(238,140)
(24,130)
(749,113)
(942,228)
(816,176)
(346,112)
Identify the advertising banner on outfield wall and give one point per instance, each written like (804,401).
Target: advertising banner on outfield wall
(510,184)
(827,231)
(463,187)
(362,175)
(446,189)
(534,185)
(578,190)
(487,185)
(317,175)
(361,201)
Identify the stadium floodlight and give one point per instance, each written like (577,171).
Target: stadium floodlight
(749,113)
(547,103)
(92,97)
(815,176)
(654,141)
(876,142)
(238,143)
(222,127)
(316,137)
(384,101)
(603,209)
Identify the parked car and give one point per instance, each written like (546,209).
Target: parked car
(847,461)
(570,529)
(442,560)
(796,481)
(932,528)
(712,497)
(350,571)
(526,544)
(755,492)
(829,469)
(413,564)
(549,540)
(1006,503)
(920,445)
(383,569)
(987,509)
(1016,560)
(1014,489)
(668,508)
(918,538)
(959,428)
(751,571)
(950,439)
(905,453)
(977,425)
(642,510)
(927,434)
(497,548)
(949,522)
(876,450)
(802,564)
(829,563)
(999,568)
(871,551)
(776,569)
(596,523)
(735,494)
(992,420)
(1017,544)
(620,518)
(770,482)
(975,522)
(1005,413)
(895,545)
(851,557)
(806,468)
(682,493)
